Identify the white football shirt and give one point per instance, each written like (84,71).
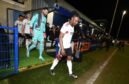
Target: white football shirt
(19,24)
(68,31)
(26,23)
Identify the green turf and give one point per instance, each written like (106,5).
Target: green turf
(117,71)
(42,75)
(33,59)
(5,69)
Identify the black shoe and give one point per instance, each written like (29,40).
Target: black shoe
(52,72)
(73,76)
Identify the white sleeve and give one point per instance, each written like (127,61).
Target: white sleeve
(24,22)
(16,23)
(63,29)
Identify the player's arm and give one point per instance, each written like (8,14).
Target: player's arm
(23,26)
(31,31)
(44,28)
(33,20)
(16,23)
(61,43)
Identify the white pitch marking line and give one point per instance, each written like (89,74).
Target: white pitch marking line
(99,70)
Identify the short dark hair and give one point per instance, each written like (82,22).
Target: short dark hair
(74,14)
(45,8)
(20,15)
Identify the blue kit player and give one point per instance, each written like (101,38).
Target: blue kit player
(38,28)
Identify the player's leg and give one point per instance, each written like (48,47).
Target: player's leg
(41,46)
(22,40)
(69,62)
(54,64)
(28,41)
(56,61)
(19,39)
(41,49)
(33,45)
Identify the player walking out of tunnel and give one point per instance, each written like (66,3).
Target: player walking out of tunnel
(19,24)
(65,37)
(38,24)
(26,30)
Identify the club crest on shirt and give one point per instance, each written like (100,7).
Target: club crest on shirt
(66,32)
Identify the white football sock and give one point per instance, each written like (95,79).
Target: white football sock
(55,62)
(69,64)
(27,43)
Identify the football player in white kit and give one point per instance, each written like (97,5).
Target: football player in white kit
(19,24)
(65,38)
(26,30)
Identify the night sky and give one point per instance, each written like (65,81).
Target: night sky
(104,9)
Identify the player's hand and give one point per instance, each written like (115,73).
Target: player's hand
(63,52)
(22,34)
(32,33)
(59,56)
(73,51)
(45,35)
